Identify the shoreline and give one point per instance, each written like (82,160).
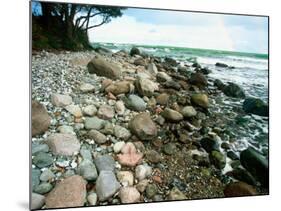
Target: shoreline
(185,159)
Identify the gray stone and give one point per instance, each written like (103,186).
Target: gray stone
(35,175)
(105,163)
(135,103)
(97,136)
(85,87)
(92,198)
(60,100)
(90,110)
(75,110)
(94,123)
(143,171)
(188,111)
(36,148)
(42,159)
(63,144)
(122,133)
(86,153)
(87,170)
(66,129)
(106,185)
(43,188)
(37,201)
(47,175)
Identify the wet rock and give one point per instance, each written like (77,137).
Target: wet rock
(239,189)
(121,132)
(233,90)
(105,163)
(219,64)
(101,67)
(171,61)
(92,198)
(60,100)
(85,87)
(188,111)
(42,160)
(218,159)
(97,136)
(105,112)
(203,70)
(176,194)
(94,123)
(162,99)
(120,87)
(47,175)
(143,171)
(90,110)
(130,156)
(232,155)
(153,156)
(142,126)
(40,118)
(218,83)
(135,51)
(87,170)
(255,106)
(125,178)
(163,77)
(75,110)
(145,87)
(37,201)
(169,148)
(243,176)
(199,80)
(172,84)
(106,185)
(43,188)
(118,146)
(151,190)
(119,107)
(172,115)
(256,164)
(135,103)
(63,144)
(70,192)
(129,195)
(200,100)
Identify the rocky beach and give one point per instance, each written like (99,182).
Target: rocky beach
(130,127)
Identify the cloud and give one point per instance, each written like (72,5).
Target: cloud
(128,30)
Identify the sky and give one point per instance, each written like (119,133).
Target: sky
(186,29)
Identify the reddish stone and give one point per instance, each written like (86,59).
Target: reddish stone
(130,156)
(40,119)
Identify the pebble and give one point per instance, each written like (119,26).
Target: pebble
(105,112)
(94,123)
(90,110)
(129,195)
(35,178)
(143,171)
(169,148)
(118,146)
(87,170)
(119,107)
(66,129)
(97,136)
(37,201)
(47,175)
(105,163)
(92,198)
(36,148)
(126,178)
(141,186)
(122,133)
(60,100)
(42,160)
(85,87)
(75,110)
(150,190)
(43,188)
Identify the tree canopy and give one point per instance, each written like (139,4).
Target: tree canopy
(68,24)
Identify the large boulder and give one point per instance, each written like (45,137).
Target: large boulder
(256,164)
(255,106)
(145,87)
(233,90)
(199,80)
(143,127)
(218,83)
(101,67)
(70,192)
(63,144)
(200,100)
(120,87)
(40,118)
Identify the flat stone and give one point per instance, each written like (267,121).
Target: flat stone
(97,136)
(129,195)
(60,100)
(71,192)
(75,110)
(105,163)
(42,160)
(122,133)
(63,144)
(87,170)
(106,185)
(105,112)
(90,110)
(37,201)
(94,123)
